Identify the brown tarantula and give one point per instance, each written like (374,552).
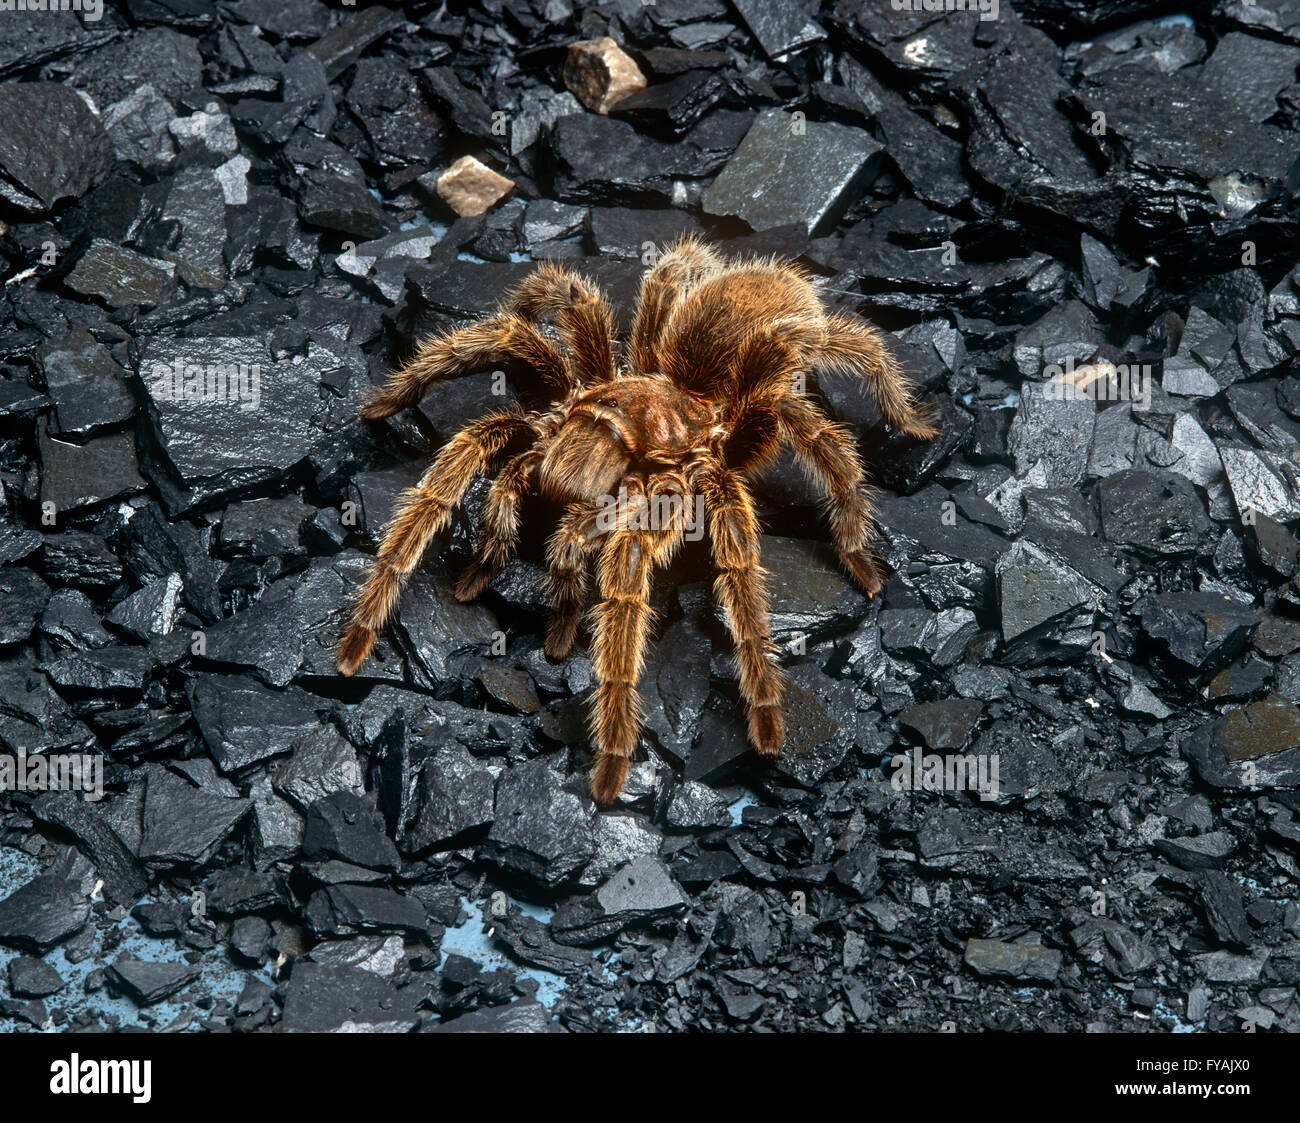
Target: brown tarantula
(707,393)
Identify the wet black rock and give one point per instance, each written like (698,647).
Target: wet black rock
(1251,747)
(348,908)
(269,413)
(542,830)
(780,26)
(643,888)
(1221,898)
(149,611)
(788,170)
(33,978)
(456,797)
(340,203)
(184,823)
(1202,629)
(321,763)
(115,862)
(249,936)
(54,148)
(87,386)
(87,475)
(243,722)
(147,982)
(23,597)
(605,160)
(515,1017)
(341,825)
(821,718)
(812,597)
(1198,852)
(121,276)
(1157,513)
(1035,590)
(43,913)
(945,724)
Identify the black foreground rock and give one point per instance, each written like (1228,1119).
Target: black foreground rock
(1047,780)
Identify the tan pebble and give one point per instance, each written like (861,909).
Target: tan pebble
(601,73)
(470,187)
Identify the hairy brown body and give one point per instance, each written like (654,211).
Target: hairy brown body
(708,394)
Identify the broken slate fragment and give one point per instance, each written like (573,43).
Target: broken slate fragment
(342,825)
(1255,746)
(1013,961)
(1201,628)
(323,998)
(455,795)
(42,913)
(52,148)
(1263,482)
(1198,852)
(1056,432)
(23,597)
(33,978)
(541,830)
(780,26)
(788,171)
(183,823)
(1034,588)
(1156,513)
(147,981)
(641,888)
(150,611)
(342,203)
(86,475)
(945,724)
(244,722)
(121,276)
(322,763)
(115,862)
(88,387)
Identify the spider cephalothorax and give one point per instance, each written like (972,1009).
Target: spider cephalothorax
(706,394)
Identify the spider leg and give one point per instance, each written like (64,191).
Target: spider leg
(827,454)
(500,529)
(853,346)
(581,314)
(422,511)
(622,625)
(686,262)
(506,335)
(740,589)
(566,556)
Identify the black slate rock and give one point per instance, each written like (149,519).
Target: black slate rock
(33,978)
(147,982)
(343,826)
(541,829)
(53,148)
(42,914)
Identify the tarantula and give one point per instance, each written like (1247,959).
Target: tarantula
(706,395)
